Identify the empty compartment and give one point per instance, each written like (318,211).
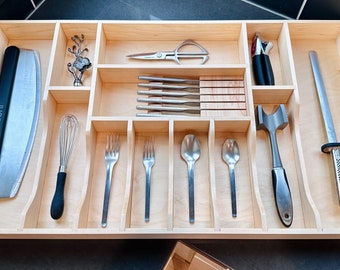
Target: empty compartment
(62,57)
(38,214)
(204,216)
(322,37)
(150,141)
(246,204)
(222,41)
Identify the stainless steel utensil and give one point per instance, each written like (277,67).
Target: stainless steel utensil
(231,155)
(332,147)
(190,152)
(148,162)
(67,134)
(22,116)
(111,158)
(271,123)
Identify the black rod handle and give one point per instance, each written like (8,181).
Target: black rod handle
(57,206)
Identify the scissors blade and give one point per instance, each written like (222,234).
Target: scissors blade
(148,56)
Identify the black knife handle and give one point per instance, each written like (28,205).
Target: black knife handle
(9,66)
(283,197)
(267,70)
(262,69)
(257,70)
(57,206)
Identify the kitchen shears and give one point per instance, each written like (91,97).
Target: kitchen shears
(175,55)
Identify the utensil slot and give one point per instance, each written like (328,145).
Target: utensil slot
(118,40)
(75,179)
(320,173)
(65,31)
(279,55)
(202,188)
(20,34)
(248,215)
(157,134)
(91,211)
(303,215)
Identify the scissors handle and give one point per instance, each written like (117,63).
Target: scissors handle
(190,55)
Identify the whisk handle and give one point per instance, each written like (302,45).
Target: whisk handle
(57,206)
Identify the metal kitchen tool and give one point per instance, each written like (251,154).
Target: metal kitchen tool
(169,94)
(271,123)
(111,158)
(81,63)
(169,80)
(177,54)
(19,123)
(148,162)
(231,155)
(170,86)
(190,152)
(262,68)
(333,146)
(67,134)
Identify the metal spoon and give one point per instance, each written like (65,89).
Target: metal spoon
(231,155)
(190,152)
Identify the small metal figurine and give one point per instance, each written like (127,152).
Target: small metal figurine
(81,63)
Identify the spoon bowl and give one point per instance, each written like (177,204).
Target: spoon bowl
(231,155)
(190,149)
(190,152)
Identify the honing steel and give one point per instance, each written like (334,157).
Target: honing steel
(190,152)
(20,90)
(67,134)
(231,155)
(333,146)
(271,123)
(262,68)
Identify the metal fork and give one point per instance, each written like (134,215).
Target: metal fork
(111,158)
(148,162)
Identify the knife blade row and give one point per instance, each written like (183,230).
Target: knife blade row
(208,95)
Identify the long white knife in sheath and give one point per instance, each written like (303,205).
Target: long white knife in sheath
(21,123)
(333,146)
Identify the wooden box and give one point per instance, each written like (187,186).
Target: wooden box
(187,257)
(107,103)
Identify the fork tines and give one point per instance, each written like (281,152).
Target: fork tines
(148,162)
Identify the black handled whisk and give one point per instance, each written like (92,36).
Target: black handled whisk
(67,134)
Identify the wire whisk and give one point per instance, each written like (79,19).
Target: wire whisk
(67,134)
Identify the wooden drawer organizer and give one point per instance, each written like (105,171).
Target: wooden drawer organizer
(107,103)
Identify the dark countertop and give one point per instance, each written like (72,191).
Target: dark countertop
(153,254)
